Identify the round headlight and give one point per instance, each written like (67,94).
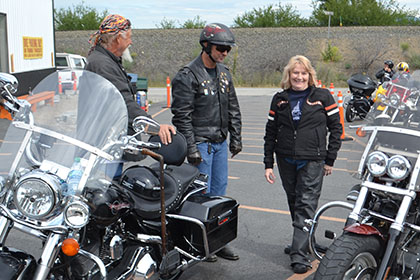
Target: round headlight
(398,167)
(394,99)
(76,214)
(377,163)
(36,195)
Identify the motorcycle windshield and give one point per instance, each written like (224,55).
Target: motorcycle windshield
(391,130)
(75,114)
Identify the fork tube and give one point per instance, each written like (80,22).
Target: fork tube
(48,257)
(5,226)
(394,235)
(389,254)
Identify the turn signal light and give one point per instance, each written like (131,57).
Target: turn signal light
(360,132)
(70,247)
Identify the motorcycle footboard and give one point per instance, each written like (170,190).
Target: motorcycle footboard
(205,224)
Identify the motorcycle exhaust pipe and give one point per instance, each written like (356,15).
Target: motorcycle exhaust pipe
(153,239)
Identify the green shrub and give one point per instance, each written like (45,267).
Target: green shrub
(414,62)
(328,74)
(405,47)
(331,54)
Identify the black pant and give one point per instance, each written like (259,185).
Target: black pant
(303,188)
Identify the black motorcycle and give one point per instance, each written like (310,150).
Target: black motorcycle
(361,88)
(149,222)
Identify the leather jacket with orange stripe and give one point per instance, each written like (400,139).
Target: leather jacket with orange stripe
(308,140)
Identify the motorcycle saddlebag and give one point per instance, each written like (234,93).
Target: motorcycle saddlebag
(362,85)
(218,215)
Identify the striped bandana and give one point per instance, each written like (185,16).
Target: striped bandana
(112,24)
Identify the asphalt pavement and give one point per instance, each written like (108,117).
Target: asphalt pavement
(264,227)
(264,221)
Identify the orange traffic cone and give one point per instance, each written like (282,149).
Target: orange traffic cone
(60,86)
(341,112)
(168,92)
(332,89)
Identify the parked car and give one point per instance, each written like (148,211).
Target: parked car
(68,60)
(69,63)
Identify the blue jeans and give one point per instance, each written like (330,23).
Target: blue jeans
(114,169)
(215,165)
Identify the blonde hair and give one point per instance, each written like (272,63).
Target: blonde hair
(302,60)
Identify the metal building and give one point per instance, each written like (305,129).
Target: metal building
(27,48)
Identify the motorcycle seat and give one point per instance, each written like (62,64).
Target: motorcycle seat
(147,201)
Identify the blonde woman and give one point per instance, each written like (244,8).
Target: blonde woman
(299,119)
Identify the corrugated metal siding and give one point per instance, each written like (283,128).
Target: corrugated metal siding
(31,18)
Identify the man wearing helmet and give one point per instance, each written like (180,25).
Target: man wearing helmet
(387,72)
(403,75)
(206,109)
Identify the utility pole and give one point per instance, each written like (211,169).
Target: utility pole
(329,14)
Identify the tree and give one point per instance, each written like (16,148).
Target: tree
(271,16)
(363,13)
(195,23)
(79,17)
(167,24)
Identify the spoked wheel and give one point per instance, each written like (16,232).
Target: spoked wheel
(350,257)
(350,113)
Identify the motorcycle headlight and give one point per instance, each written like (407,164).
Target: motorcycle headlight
(398,167)
(394,99)
(36,194)
(377,163)
(76,214)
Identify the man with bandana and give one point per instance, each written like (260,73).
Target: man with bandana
(108,45)
(206,109)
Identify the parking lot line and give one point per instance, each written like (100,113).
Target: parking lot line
(284,212)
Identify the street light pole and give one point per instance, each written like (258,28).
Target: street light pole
(329,14)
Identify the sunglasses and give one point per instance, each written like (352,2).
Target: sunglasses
(222,48)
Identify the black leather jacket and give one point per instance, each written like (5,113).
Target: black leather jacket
(103,62)
(384,76)
(308,141)
(205,110)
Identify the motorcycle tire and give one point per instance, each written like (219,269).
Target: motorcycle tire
(350,257)
(350,114)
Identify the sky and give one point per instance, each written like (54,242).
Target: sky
(145,14)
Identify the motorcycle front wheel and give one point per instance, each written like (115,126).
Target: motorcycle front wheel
(350,113)
(350,257)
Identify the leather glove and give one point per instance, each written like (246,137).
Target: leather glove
(235,149)
(195,158)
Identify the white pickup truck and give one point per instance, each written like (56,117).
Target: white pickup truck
(69,62)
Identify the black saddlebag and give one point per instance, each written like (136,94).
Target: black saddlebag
(203,220)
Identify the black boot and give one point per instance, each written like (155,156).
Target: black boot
(228,254)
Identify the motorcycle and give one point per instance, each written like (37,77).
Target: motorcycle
(361,88)
(146,222)
(381,236)
(395,102)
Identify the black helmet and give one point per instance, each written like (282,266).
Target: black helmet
(217,34)
(389,63)
(142,181)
